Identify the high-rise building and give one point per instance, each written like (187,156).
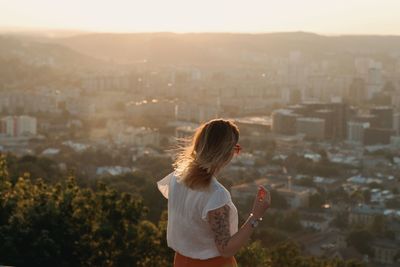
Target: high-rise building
(397,68)
(296,70)
(311,127)
(362,66)
(340,111)
(284,122)
(375,80)
(334,115)
(384,117)
(377,136)
(295,96)
(372,72)
(3,127)
(357,93)
(367,118)
(396,123)
(329,117)
(311,107)
(16,126)
(395,99)
(106,82)
(27,102)
(196,113)
(355,131)
(337,117)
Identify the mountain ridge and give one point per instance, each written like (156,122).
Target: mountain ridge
(198,48)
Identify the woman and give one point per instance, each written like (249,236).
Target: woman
(202,220)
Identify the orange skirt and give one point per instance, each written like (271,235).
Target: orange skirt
(183,261)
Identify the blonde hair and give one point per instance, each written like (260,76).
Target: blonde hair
(209,150)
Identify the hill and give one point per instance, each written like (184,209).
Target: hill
(33,50)
(221,48)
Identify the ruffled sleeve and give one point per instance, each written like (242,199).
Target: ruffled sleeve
(163,185)
(218,199)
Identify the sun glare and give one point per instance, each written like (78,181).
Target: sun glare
(356,16)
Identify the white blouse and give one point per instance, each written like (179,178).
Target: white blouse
(188,231)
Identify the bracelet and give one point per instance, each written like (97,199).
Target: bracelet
(254,222)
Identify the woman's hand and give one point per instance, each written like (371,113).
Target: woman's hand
(262,202)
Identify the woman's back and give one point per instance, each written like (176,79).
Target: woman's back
(188,229)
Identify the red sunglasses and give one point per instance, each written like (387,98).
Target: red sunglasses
(237,148)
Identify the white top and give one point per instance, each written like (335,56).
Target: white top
(188,231)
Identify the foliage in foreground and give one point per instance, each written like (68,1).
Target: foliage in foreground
(285,254)
(67,225)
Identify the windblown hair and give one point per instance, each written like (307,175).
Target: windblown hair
(208,151)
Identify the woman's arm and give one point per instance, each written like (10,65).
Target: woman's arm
(219,221)
(226,244)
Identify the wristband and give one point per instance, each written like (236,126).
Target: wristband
(253,221)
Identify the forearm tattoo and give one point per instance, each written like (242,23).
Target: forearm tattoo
(219,222)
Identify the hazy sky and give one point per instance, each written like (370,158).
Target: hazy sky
(320,16)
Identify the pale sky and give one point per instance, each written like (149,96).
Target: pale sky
(319,16)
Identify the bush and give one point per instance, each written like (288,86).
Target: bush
(65,225)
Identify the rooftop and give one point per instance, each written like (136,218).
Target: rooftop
(310,119)
(261,120)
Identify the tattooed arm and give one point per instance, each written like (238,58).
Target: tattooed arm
(226,244)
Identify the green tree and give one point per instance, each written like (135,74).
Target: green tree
(253,255)
(66,225)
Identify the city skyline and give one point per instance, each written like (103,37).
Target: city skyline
(339,17)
